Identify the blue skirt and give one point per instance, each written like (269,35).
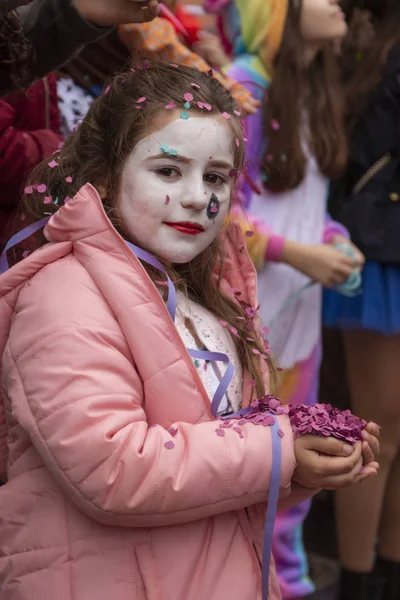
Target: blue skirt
(378,306)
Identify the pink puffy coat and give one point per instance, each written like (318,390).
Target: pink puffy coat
(94,373)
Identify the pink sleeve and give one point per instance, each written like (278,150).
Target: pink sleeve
(89,425)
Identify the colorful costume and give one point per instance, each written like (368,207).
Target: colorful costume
(159,39)
(253,29)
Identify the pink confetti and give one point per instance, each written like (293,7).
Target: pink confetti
(207,106)
(162,283)
(237,142)
(234,330)
(142,99)
(220,432)
(139,107)
(256,351)
(173,431)
(173,65)
(68,179)
(169,445)
(188,97)
(107,89)
(25,253)
(42,188)
(23,217)
(67,199)
(28,190)
(167,200)
(275,126)
(200,105)
(253,382)
(249,233)
(226,115)
(195,85)
(237,113)
(53,164)
(170,105)
(47,200)
(281,433)
(223,323)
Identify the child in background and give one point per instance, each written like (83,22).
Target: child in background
(29,131)
(120,482)
(366,200)
(283,52)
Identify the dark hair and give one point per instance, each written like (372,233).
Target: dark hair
(97,151)
(302,98)
(16,53)
(368,72)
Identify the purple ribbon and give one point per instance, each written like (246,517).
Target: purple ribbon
(150,260)
(20,237)
(216,401)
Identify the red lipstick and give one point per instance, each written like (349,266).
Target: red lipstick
(187,227)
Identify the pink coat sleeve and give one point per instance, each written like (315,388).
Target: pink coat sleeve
(74,388)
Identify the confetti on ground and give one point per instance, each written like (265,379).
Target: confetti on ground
(185,115)
(52,164)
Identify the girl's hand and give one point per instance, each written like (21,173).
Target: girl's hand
(370,445)
(359,258)
(329,463)
(322,263)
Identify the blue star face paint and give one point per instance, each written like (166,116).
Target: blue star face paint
(213,207)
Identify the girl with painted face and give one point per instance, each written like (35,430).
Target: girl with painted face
(123,339)
(283,50)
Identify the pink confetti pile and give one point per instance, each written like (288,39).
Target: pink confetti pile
(324,420)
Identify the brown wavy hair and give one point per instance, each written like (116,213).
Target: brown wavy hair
(368,72)
(96,154)
(302,97)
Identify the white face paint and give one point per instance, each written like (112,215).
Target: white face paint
(165,199)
